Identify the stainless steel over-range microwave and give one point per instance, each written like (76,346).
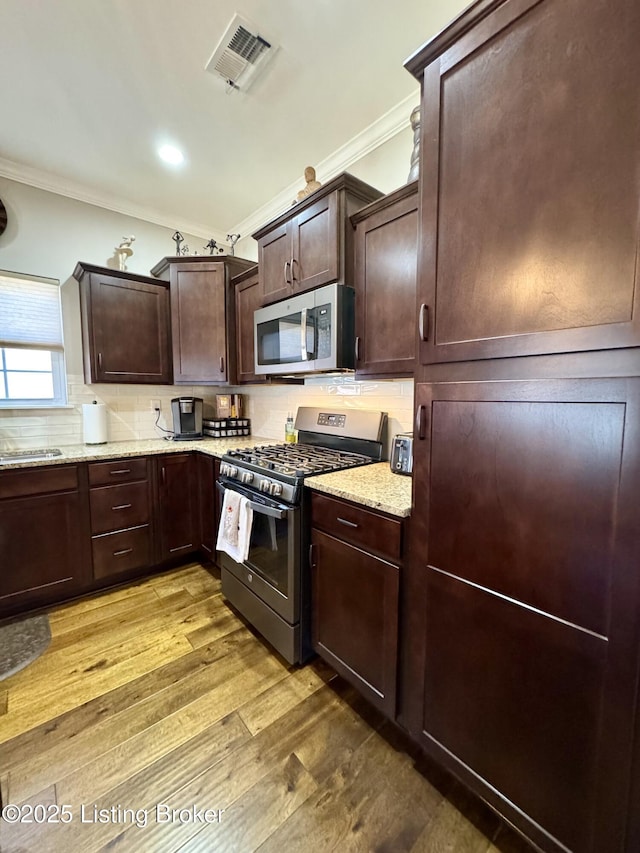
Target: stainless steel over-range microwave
(309,333)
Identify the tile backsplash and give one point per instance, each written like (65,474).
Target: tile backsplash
(130,415)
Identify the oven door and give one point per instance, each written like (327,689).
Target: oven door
(272,569)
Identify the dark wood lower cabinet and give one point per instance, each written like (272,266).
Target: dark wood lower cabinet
(44,551)
(178,505)
(524,600)
(355,597)
(207,470)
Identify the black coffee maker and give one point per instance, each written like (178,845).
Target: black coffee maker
(187,418)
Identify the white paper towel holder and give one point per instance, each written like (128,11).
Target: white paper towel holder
(94,423)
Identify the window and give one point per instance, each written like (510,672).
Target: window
(31,351)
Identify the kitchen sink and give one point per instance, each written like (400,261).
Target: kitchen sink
(8,456)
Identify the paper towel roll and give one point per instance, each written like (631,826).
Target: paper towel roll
(94,423)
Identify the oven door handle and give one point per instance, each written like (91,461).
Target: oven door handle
(271,511)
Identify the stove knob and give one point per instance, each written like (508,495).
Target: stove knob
(232,471)
(275,489)
(247,477)
(264,486)
(224,469)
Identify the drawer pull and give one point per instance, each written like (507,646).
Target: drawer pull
(121,506)
(347,523)
(123,552)
(120,471)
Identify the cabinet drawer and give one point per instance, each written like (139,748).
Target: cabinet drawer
(119,552)
(117,471)
(118,507)
(38,481)
(369,530)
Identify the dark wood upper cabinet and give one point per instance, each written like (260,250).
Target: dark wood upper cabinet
(126,331)
(530,152)
(247,298)
(311,244)
(525,598)
(202,317)
(386,248)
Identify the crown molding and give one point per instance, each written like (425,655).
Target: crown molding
(376,134)
(54,184)
(380,131)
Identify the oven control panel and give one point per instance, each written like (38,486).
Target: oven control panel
(259,483)
(332,420)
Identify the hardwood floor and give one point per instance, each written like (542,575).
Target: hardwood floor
(155,703)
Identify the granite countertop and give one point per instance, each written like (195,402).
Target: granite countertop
(371,485)
(140,447)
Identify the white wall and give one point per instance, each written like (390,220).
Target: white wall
(48,234)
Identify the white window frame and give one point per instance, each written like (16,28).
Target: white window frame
(58,371)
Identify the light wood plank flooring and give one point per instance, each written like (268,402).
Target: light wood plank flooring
(155,700)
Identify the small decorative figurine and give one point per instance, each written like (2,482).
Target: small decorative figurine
(211,246)
(312,184)
(178,238)
(414,167)
(184,250)
(124,251)
(233,239)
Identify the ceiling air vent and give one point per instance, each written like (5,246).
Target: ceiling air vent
(241,55)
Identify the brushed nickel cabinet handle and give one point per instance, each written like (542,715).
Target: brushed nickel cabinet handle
(100,360)
(420,422)
(163,475)
(286,277)
(121,506)
(347,523)
(120,471)
(357,348)
(221,364)
(293,270)
(123,552)
(423,322)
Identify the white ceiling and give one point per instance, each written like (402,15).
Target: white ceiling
(90,88)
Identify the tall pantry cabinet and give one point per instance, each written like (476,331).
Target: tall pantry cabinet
(523,626)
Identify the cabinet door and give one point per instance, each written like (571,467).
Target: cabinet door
(524,596)
(274,262)
(178,504)
(355,617)
(130,331)
(386,246)
(315,245)
(198,320)
(248,300)
(42,543)
(208,526)
(530,214)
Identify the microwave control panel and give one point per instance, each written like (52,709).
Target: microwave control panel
(326,419)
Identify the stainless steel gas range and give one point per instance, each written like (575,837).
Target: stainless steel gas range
(272,587)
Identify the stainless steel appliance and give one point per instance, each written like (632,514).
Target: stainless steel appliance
(309,333)
(272,587)
(401,461)
(187,418)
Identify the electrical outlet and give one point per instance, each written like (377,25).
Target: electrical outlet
(155,406)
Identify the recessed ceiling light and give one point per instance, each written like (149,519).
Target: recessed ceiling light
(170,154)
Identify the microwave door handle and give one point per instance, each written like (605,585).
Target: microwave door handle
(303,335)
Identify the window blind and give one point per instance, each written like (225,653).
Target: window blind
(30,312)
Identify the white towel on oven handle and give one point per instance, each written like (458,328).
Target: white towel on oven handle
(234,531)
